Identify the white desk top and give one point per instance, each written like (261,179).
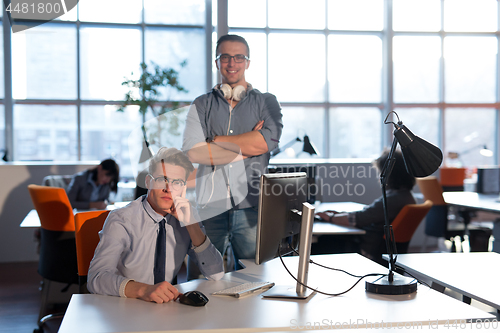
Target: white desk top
(95,313)
(33,221)
(475,275)
(478,201)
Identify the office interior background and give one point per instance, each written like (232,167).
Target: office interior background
(337,67)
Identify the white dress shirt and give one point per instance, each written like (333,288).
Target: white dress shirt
(127,246)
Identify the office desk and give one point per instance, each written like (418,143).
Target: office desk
(95,313)
(473,201)
(33,221)
(474,275)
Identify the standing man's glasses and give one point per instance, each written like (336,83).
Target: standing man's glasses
(239,58)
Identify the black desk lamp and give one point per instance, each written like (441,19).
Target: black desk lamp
(308,146)
(421,159)
(146,152)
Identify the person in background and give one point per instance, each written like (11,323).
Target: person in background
(91,188)
(143,245)
(371,218)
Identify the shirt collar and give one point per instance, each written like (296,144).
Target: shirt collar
(151,212)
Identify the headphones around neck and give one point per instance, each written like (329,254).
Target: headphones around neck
(237,93)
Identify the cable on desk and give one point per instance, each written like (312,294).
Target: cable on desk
(322,292)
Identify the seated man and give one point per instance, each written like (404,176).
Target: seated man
(143,245)
(372,218)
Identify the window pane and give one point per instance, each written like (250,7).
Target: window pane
(176,50)
(470,15)
(2,129)
(354,68)
(422,122)
(175,12)
(45,133)
(296,14)
(355,132)
(256,74)
(470,69)
(254,17)
(416,69)
(2,79)
(116,11)
(105,133)
(290,81)
(107,56)
(355,14)
(469,130)
(297,122)
(46,51)
(416,15)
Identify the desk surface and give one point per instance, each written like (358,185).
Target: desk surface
(474,274)
(95,313)
(33,221)
(473,200)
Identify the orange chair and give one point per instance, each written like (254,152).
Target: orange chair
(87,227)
(452,179)
(407,221)
(57,242)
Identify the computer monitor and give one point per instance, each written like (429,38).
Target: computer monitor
(285,221)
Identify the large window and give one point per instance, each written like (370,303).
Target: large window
(68,74)
(337,67)
(349,63)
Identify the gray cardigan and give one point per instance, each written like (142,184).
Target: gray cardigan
(79,191)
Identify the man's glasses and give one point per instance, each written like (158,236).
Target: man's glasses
(239,58)
(161,182)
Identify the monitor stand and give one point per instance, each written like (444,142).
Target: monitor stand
(299,292)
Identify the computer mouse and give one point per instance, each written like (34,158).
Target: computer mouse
(193,298)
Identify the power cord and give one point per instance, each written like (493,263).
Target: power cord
(343,271)
(321,292)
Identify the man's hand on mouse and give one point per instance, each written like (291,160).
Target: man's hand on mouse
(162,292)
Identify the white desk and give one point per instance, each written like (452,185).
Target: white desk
(95,313)
(474,201)
(33,221)
(474,275)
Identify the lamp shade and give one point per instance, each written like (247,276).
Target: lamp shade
(421,157)
(309,147)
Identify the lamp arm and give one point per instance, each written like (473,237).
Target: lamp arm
(389,235)
(278,150)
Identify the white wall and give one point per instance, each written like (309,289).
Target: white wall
(16,243)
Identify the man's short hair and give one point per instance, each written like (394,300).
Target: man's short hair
(171,156)
(231,38)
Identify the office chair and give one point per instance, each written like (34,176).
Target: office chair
(436,222)
(407,221)
(87,227)
(57,262)
(452,179)
(61,181)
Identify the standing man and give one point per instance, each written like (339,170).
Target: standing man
(143,245)
(230,132)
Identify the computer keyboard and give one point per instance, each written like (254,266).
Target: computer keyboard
(244,289)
